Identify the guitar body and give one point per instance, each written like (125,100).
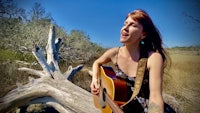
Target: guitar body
(115,88)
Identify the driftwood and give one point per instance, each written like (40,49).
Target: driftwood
(52,87)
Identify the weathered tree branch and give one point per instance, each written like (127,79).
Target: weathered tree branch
(53,87)
(32,71)
(72,71)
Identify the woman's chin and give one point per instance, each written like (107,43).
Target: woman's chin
(122,40)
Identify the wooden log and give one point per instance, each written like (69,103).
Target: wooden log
(64,92)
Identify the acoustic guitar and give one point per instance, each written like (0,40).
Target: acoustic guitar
(112,91)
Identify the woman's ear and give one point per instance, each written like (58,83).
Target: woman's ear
(143,35)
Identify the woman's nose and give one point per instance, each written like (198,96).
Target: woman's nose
(125,27)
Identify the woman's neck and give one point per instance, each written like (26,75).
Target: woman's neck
(131,51)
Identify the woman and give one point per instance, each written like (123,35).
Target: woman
(139,36)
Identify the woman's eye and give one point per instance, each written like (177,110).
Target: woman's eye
(133,25)
(130,24)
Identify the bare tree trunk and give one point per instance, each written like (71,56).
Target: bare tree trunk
(53,87)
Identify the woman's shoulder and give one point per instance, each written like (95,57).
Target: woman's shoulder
(154,55)
(113,50)
(154,58)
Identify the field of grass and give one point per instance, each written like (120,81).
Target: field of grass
(182,80)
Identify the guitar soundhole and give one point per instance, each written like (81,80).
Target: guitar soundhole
(102,98)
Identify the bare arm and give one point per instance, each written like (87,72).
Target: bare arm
(155,65)
(105,58)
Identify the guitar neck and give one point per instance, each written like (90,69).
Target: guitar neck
(112,105)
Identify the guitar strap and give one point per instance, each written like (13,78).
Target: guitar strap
(139,78)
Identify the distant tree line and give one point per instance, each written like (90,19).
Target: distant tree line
(21,30)
(188,48)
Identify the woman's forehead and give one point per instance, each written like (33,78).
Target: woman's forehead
(129,19)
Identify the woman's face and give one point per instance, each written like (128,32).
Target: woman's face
(131,32)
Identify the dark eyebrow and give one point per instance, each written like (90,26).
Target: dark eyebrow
(132,23)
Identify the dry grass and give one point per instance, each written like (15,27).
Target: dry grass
(183,80)
(10,76)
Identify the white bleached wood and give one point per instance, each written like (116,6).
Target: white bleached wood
(52,49)
(32,71)
(72,71)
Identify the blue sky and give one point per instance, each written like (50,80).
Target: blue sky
(103,19)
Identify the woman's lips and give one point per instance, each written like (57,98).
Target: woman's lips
(124,34)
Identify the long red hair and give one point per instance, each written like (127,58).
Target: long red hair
(153,40)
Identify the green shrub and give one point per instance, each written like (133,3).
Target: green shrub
(6,54)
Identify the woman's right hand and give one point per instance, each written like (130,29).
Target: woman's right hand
(94,86)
